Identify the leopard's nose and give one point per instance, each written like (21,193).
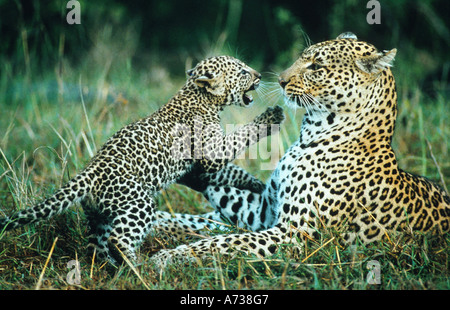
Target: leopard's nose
(256,74)
(257,79)
(282,82)
(284,78)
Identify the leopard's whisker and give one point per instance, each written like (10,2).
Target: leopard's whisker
(268,93)
(319,107)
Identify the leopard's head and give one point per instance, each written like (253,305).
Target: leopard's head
(335,76)
(226,80)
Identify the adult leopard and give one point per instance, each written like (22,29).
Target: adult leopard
(341,171)
(116,188)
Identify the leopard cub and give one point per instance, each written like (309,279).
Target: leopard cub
(117,186)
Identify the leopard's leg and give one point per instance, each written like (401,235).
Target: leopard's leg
(181,227)
(231,175)
(100,230)
(262,244)
(130,213)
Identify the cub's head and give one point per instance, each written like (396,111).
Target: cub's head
(337,75)
(227,80)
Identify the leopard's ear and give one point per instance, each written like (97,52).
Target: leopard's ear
(377,63)
(347,35)
(212,83)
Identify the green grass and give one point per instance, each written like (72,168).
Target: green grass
(47,135)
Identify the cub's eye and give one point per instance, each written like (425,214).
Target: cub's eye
(243,71)
(314,66)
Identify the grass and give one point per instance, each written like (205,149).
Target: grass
(52,122)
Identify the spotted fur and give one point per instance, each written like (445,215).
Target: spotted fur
(342,171)
(117,188)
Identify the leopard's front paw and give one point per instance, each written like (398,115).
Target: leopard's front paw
(160,260)
(179,255)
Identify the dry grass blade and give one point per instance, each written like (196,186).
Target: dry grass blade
(318,249)
(92,263)
(437,166)
(133,268)
(7,162)
(39,284)
(86,116)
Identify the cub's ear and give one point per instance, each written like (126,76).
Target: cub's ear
(378,63)
(213,84)
(347,35)
(190,72)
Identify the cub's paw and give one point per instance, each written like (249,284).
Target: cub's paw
(269,122)
(270,116)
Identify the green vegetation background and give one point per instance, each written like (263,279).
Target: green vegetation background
(64,89)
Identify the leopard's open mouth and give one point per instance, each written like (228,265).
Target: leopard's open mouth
(248,98)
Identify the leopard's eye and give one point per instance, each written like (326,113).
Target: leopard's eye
(314,67)
(243,71)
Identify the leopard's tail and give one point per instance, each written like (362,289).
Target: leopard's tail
(74,191)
